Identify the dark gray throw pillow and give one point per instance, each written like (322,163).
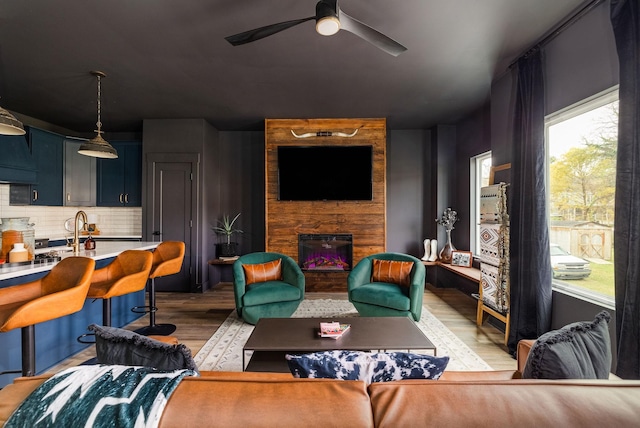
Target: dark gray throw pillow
(124,347)
(581,350)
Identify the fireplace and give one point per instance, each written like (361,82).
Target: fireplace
(325,252)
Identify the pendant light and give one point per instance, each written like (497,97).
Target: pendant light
(9,125)
(97,146)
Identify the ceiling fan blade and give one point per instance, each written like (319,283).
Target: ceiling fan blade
(372,36)
(262,32)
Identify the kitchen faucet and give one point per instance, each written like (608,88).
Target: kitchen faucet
(76,239)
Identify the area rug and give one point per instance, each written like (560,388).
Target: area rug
(223,351)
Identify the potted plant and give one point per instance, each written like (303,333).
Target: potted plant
(226,227)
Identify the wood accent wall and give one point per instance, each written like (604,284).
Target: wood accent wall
(365,220)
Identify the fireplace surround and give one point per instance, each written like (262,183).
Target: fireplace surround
(364,220)
(325,252)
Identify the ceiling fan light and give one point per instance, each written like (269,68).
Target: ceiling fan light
(9,125)
(98,147)
(328,25)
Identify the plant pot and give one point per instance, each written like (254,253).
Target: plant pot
(227,250)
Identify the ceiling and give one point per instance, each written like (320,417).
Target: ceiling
(169,59)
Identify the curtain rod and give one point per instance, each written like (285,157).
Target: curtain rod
(566,24)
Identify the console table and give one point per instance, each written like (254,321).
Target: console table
(220,271)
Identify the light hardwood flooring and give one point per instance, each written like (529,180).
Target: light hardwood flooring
(197,317)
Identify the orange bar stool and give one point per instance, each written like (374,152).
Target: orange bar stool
(59,293)
(167,260)
(127,273)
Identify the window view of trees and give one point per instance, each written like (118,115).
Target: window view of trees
(582,145)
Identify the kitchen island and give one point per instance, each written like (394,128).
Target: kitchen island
(104,250)
(56,339)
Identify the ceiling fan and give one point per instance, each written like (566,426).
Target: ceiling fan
(329,20)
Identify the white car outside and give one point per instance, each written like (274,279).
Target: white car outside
(566,266)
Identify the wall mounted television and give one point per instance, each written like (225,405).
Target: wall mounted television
(325,173)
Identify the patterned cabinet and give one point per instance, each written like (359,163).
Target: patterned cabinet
(494,251)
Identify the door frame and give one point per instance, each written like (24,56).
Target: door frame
(151,159)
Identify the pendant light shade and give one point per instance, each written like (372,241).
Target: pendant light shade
(98,147)
(9,125)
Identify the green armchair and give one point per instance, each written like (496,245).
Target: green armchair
(382,295)
(267,285)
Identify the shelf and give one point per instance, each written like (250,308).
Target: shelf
(469,273)
(221,262)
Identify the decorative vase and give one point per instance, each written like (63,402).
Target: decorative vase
(427,250)
(447,250)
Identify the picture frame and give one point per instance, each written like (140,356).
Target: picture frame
(500,173)
(461,258)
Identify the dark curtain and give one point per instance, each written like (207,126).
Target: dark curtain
(625,19)
(530,263)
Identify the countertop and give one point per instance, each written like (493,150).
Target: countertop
(96,237)
(104,250)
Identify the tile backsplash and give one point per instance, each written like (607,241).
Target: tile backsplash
(49,221)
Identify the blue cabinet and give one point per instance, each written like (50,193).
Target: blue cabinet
(79,176)
(46,149)
(47,153)
(16,165)
(120,180)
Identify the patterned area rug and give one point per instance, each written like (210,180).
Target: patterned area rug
(223,351)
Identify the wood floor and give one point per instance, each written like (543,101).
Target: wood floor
(199,315)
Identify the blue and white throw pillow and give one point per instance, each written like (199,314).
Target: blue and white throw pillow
(366,366)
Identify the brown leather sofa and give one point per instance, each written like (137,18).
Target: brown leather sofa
(458,399)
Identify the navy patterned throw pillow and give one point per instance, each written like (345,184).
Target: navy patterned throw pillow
(366,366)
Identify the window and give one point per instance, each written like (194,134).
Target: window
(582,142)
(480,169)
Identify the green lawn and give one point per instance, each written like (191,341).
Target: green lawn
(600,280)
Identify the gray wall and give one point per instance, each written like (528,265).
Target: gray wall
(406,190)
(579,63)
(473,137)
(242,179)
(188,136)
(241,186)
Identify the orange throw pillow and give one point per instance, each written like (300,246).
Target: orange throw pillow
(270,271)
(395,272)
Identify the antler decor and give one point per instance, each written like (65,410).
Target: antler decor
(325,134)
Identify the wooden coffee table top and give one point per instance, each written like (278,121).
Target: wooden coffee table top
(366,333)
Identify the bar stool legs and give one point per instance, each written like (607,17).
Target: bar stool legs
(28,347)
(28,350)
(167,260)
(106,321)
(127,273)
(153,328)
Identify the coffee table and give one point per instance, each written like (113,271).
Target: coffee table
(272,338)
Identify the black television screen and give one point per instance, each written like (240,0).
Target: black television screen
(318,173)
